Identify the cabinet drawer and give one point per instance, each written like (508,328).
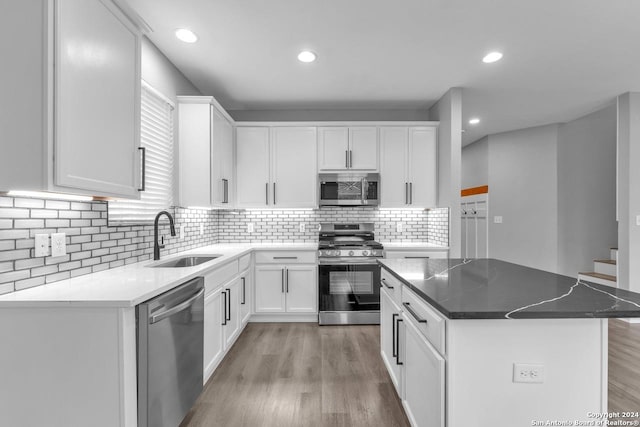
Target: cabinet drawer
(286,257)
(416,254)
(244,262)
(417,311)
(216,278)
(392,285)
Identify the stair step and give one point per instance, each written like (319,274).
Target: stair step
(605,266)
(599,278)
(614,254)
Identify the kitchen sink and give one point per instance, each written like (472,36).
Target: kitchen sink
(187,261)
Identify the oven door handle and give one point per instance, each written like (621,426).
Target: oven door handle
(373,261)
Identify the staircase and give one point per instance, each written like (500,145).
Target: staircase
(606,271)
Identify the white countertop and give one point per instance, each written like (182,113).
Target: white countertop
(413,246)
(130,285)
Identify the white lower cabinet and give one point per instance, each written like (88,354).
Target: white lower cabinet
(424,376)
(286,289)
(389,315)
(246,296)
(213,332)
(231,322)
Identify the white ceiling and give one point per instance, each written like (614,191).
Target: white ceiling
(562,58)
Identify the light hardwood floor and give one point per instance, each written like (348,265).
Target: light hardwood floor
(300,374)
(624,366)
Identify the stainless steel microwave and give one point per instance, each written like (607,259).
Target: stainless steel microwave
(349,189)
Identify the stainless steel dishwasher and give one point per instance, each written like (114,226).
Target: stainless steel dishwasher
(170,339)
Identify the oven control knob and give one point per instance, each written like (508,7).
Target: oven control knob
(350,253)
(365,253)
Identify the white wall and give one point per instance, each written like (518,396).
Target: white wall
(303,115)
(628,191)
(160,73)
(448,110)
(475,164)
(523,190)
(587,225)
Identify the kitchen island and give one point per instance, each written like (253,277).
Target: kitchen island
(488,343)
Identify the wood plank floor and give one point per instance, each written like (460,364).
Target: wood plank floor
(624,366)
(300,374)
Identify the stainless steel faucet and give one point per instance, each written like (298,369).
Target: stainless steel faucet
(156,245)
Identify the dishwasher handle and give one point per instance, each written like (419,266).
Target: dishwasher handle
(175,309)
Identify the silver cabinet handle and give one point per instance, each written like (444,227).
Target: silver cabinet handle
(266,193)
(144,168)
(225,190)
(173,310)
(384,282)
(398,362)
(244,291)
(287,277)
(413,313)
(411,193)
(350,159)
(285,257)
(346,159)
(282,280)
(274,193)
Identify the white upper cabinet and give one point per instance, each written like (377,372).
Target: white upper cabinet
(293,170)
(276,167)
(206,153)
(348,148)
(252,167)
(74,121)
(408,170)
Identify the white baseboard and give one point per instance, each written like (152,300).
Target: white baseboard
(630,319)
(269,318)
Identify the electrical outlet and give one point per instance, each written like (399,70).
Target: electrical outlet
(528,373)
(398,227)
(497,220)
(42,245)
(250,227)
(303,227)
(637,219)
(201,229)
(58,244)
(182,232)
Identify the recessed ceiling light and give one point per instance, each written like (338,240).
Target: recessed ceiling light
(492,57)
(474,121)
(306,56)
(186,35)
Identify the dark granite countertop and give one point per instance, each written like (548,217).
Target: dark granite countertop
(493,289)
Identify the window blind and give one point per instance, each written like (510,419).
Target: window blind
(156,135)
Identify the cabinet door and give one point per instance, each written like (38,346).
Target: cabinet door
(213,335)
(97,102)
(393,166)
(389,312)
(269,288)
(294,177)
(194,142)
(252,169)
(301,289)
(363,143)
(333,147)
(217,157)
(232,312)
(424,378)
(246,299)
(227,164)
(423,170)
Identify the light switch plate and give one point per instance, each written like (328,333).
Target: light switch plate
(497,220)
(58,244)
(250,227)
(201,229)
(303,227)
(182,232)
(637,219)
(42,245)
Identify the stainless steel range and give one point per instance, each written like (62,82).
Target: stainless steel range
(349,274)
